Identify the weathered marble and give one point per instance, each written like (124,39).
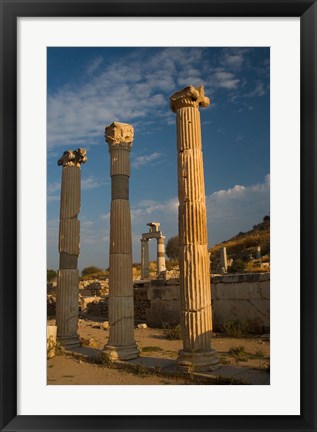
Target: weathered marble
(223,260)
(121,344)
(145,261)
(196,316)
(154,233)
(69,240)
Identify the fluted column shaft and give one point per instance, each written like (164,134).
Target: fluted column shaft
(121,342)
(160,255)
(193,251)
(145,269)
(69,238)
(223,260)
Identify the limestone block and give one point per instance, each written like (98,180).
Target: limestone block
(105,325)
(51,332)
(172,281)
(254,310)
(70,192)
(84,301)
(240,291)
(265,290)
(170,292)
(264,277)
(69,239)
(142,326)
(162,313)
(229,278)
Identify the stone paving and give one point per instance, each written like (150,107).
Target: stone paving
(224,374)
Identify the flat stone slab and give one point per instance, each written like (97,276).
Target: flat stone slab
(152,362)
(168,366)
(245,374)
(83,351)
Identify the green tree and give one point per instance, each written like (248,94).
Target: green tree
(90,270)
(51,274)
(238,266)
(172,248)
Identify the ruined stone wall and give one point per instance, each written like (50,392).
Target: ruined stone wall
(243,299)
(236,300)
(95,307)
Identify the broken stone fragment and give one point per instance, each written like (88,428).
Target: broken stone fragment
(142,326)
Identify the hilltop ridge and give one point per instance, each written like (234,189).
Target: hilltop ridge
(243,247)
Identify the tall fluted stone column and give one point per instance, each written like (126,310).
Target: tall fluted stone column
(121,344)
(145,268)
(223,260)
(193,253)
(160,255)
(69,237)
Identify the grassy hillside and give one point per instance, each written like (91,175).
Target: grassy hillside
(243,247)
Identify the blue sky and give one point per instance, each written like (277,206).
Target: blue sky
(89,88)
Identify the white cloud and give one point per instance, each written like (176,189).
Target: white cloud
(153,208)
(52,232)
(144,160)
(258,91)
(92,182)
(226,80)
(53,187)
(234,58)
(53,191)
(94,65)
(78,112)
(237,209)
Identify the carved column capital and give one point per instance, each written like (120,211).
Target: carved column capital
(189,97)
(73,158)
(119,134)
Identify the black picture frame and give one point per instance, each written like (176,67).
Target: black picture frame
(10,11)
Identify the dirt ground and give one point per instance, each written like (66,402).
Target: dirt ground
(248,352)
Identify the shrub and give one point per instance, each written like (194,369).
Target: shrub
(151,349)
(102,275)
(237,328)
(90,270)
(103,358)
(172,248)
(239,353)
(173,332)
(171,264)
(51,274)
(237,266)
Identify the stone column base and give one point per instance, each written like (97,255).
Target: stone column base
(196,361)
(127,352)
(69,341)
